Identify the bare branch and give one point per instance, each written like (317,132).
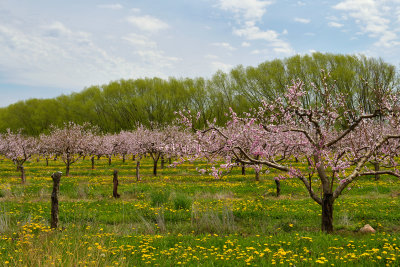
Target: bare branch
(352,127)
(380,172)
(304,132)
(264,162)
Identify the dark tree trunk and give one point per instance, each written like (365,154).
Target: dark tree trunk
(84,157)
(155,167)
(67,170)
(133,157)
(257,175)
(92,159)
(243,169)
(109,160)
(47,161)
(162,161)
(327,213)
(137,171)
(170,161)
(23,179)
(98,157)
(115,182)
(377,168)
(278,188)
(123,158)
(54,199)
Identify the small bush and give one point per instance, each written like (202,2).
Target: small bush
(182,201)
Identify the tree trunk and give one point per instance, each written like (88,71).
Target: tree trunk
(109,160)
(377,168)
(123,158)
(137,171)
(327,213)
(92,159)
(243,169)
(162,161)
(67,170)
(257,175)
(133,157)
(155,167)
(115,182)
(47,161)
(23,180)
(54,199)
(278,187)
(170,161)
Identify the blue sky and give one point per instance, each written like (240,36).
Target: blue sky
(51,47)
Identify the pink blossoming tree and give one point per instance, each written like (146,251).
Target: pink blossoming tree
(335,141)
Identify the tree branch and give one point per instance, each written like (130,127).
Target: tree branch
(352,127)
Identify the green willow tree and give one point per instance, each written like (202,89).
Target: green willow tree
(121,105)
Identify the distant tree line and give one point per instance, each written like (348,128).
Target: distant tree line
(124,104)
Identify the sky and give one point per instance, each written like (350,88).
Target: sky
(54,47)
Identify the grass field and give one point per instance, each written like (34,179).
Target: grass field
(183,218)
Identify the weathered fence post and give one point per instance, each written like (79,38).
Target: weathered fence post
(278,187)
(54,199)
(115,182)
(137,171)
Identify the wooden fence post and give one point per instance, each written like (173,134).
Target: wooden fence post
(54,199)
(115,182)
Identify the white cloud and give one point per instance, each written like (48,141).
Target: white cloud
(372,16)
(56,56)
(148,51)
(335,24)
(157,57)
(246,44)
(250,9)
(111,6)
(139,40)
(135,10)
(302,20)
(247,14)
(147,23)
(224,45)
(217,65)
(210,56)
(252,32)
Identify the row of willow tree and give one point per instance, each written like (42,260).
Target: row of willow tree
(122,105)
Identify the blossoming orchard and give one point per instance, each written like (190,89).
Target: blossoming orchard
(314,141)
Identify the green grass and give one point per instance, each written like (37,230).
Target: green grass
(183,218)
